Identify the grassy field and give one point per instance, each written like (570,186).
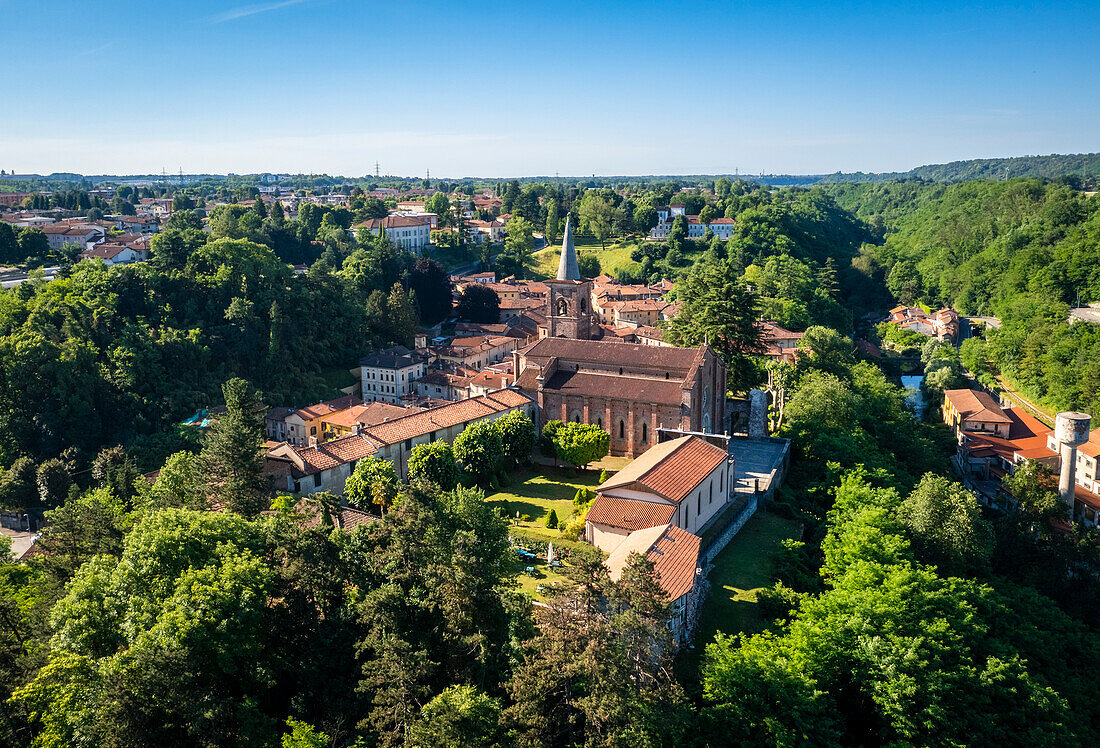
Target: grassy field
(616,255)
(543,576)
(741,570)
(533,494)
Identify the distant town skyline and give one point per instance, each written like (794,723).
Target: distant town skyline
(499,89)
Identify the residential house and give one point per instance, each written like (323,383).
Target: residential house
(304,426)
(388,374)
(993,441)
(138,224)
(974,410)
(344,422)
(112,253)
(326,466)
(59,234)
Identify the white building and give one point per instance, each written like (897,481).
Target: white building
(114,254)
(60,234)
(411,232)
(657,506)
(388,375)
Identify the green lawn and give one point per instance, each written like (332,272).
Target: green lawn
(543,576)
(615,255)
(534,493)
(741,570)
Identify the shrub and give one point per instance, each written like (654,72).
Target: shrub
(552,520)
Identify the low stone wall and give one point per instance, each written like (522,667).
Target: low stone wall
(734,524)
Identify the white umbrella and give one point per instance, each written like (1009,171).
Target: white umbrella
(550,553)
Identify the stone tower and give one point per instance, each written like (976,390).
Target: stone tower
(570,309)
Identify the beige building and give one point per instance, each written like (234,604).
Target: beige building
(325,466)
(656,506)
(683,482)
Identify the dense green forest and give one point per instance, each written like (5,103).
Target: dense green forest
(1024,250)
(118,355)
(1082,168)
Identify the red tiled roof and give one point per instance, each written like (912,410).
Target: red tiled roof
(328,455)
(672,469)
(393,222)
(629,514)
(445,416)
(596,351)
(976,405)
(673,552)
(598,384)
(675,557)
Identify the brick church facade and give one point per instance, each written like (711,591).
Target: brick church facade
(628,390)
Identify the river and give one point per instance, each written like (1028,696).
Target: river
(915,400)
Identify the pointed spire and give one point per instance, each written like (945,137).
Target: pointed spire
(568,270)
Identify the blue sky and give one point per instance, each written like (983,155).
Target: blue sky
(525,88)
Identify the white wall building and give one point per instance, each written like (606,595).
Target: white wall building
(387,375)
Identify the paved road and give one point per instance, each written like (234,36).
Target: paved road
(11,280)
(20,540)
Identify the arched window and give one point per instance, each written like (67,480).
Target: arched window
(706,423)
(563,307)
(645,432)
(621,429)
(583,307)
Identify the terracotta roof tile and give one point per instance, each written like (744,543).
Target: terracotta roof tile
(596,351)
(629,514)
(976,405)
(675,558)
(644,389)
(673,552)
(445,416)
(672,469)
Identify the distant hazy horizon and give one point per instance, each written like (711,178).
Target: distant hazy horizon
(500,89)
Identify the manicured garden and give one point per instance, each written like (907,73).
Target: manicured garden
(533,494)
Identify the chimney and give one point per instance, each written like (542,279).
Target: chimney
(1071,429)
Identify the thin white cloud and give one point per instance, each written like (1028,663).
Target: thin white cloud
(250,10)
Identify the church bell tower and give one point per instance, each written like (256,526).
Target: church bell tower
(570,310)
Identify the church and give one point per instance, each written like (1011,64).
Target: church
(628,390)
